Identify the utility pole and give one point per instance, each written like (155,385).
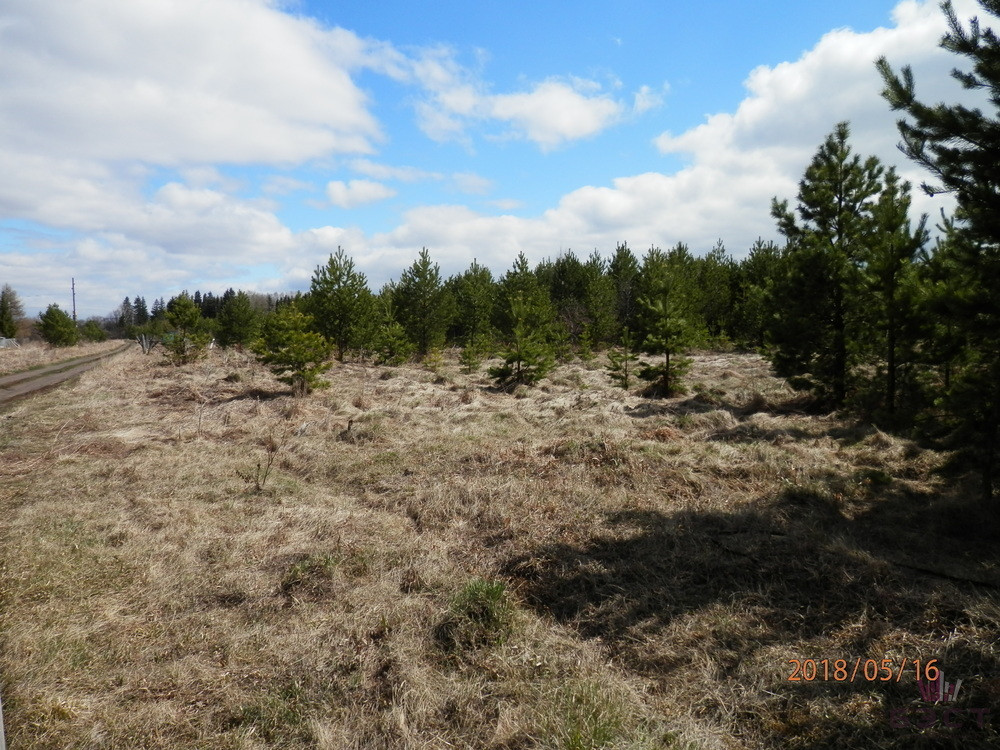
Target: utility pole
(72,284)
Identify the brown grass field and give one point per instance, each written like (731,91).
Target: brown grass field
(191,558)
(36,354)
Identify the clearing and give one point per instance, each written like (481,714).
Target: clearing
(191,558)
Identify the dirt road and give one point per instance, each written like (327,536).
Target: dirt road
(23,384)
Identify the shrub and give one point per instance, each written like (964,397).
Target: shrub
(57,327)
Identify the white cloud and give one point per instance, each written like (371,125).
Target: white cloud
(386,172)
(357,192)
(646,99)
(178,82)
(555,112)
(551,113)
(472,184)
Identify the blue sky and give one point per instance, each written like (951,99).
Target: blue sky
(158,145)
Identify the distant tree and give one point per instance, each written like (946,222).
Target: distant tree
(752,302)
(126,315)
(623,271)
(238,322)
(600,301)
(296,354)
(340,302)
(57,327)
(422,304)
(159,310)
(475,294)
(91,331)
(140,311)
(11,311)
(715,277)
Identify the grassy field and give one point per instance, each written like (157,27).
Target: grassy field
(191,558)
(34,355)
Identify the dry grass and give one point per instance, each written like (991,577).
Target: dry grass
(36,354)
(192,558)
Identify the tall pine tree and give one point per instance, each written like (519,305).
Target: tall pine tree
(340,302)
(423,305)
(960,146)
(818,310)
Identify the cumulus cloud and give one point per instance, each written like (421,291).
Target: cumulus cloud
(555,112)
(357,192)
(550,113)
(180,82)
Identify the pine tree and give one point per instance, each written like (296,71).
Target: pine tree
(340,301)
(422,304)
(92,331)
(529,356)
(621,361)
(296,354)
(239,323)
(623,272)
(715,281)
(825,248)
(385,335)
(960,146)
(668,322)
(521,288)
(189,341)
(889,275)
(140,311)
(752,301)
(159,310)
(11,311)
(475,294)
(126,315)
(57,327)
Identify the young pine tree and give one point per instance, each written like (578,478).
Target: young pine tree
(819,300)
(529,356)
(340,302)
(57,327)
(621,361)
(296,354)
(188,341)
(238,321)
(423,305)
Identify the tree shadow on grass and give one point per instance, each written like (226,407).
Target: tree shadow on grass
(661,589)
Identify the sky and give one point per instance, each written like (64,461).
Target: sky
(152,146)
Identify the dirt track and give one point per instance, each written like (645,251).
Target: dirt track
(23,384)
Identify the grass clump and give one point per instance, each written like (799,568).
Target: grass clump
(481,615)
(311,575)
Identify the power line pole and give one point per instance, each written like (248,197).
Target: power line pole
(72,283)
